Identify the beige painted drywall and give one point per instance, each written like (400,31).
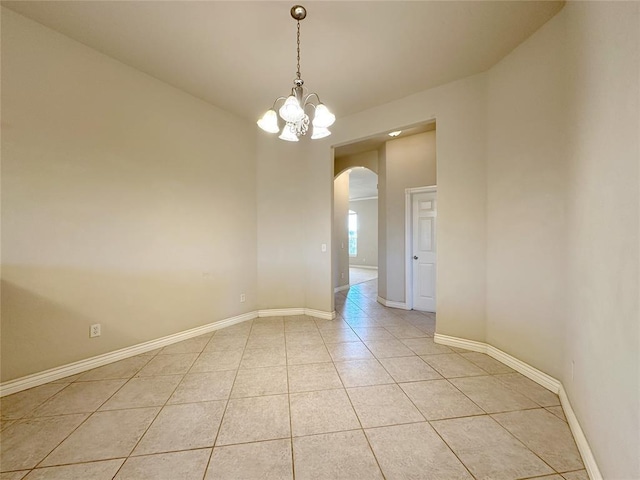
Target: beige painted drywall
(340,230)
(365,159)
(562,217)
(526,181)
(410,162)
(367,252)
(603,152)
(125,202)
(459,109)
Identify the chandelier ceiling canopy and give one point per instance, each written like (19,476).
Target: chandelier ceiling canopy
(293,109)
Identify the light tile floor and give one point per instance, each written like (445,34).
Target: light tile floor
(365,396)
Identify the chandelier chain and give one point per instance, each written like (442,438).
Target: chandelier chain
(298,50)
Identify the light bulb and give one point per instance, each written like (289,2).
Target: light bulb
(320,132)
(288,133)
(269,122)
(291,111)
(323,117)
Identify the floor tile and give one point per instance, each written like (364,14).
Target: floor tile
(410,451)
(79,397)
(209,361)
(382,405)
(266,341)
(103,470)
(317,376)
(485,362)
(491,395)
(336,456)
(488,450)
(438,399)
(13,475)
(264,357)
(254,382)
(362,323)
(5,423)
(175,364)
(182,427)
(452,365)
(425,346)
(22,403)
(529,388)
(558,412)
(255,419)
(406,331)
(143,392)
(189,465)
(225,343)
(409,369)
(301,354)
(361,373)
(388,348)
(375,333)
(193,345)
(204,387)
(126,368)
(577,475)
(27,442)
(103,436)
(546,435)
(300,324)
(339,335)
(69,379)
(270,460)
(238,329)
(298,338)
(321,412)
(341,352)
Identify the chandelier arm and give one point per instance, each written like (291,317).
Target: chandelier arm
(312,94)
(276,101)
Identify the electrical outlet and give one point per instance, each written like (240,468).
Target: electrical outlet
(242,297)
(95,330)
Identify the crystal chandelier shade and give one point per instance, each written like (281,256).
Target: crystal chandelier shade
(293,110)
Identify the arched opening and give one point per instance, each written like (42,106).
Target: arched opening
(404,166)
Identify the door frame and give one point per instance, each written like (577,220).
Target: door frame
(408,239)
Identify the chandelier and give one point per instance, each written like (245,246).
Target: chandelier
(293,109)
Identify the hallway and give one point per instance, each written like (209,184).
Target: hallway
(367,395)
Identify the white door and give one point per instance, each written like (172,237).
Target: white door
(424,251)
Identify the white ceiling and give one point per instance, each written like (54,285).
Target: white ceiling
(363,183)
(240,55)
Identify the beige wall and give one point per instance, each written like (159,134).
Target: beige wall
(602,136)
(410,162)
(125,202)
(365,159)
(367,211)
(459,109)
(340,230)
(562,217)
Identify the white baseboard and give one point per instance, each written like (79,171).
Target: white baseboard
(540,378)
(341,289)
(40,378)
(392,304)
(578,435)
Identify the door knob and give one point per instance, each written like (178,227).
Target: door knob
(415,257)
